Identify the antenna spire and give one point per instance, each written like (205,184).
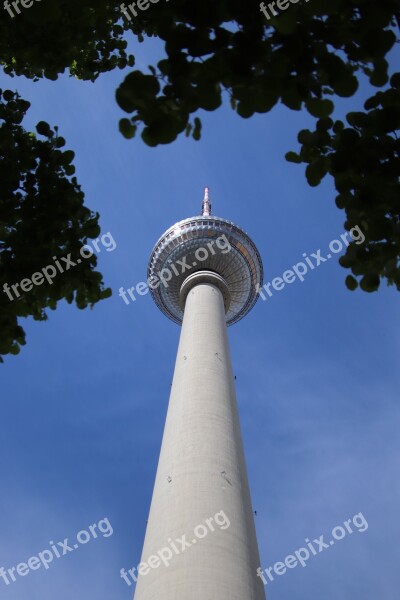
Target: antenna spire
(206,206)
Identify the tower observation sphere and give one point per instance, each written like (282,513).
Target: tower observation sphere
(197,242)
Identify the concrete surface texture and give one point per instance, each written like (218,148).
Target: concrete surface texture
(201,490)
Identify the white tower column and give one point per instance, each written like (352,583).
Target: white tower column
(201,473)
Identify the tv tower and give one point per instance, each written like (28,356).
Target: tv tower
(201,471)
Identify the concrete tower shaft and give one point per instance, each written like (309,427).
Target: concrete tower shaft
(202,470)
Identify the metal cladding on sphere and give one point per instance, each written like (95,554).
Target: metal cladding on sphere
(221,247)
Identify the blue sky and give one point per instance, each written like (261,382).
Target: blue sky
(83,405)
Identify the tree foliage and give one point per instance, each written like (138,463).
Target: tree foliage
(364,160)
(310,54)
(302,58)
(42,218)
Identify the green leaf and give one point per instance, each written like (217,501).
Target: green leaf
(67,157)
(127,128)
(43,128)
(316,171)
(293,157)
(8,95)
(351,283)
(369,283)
(320,108)
(395,81)
(197,129)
